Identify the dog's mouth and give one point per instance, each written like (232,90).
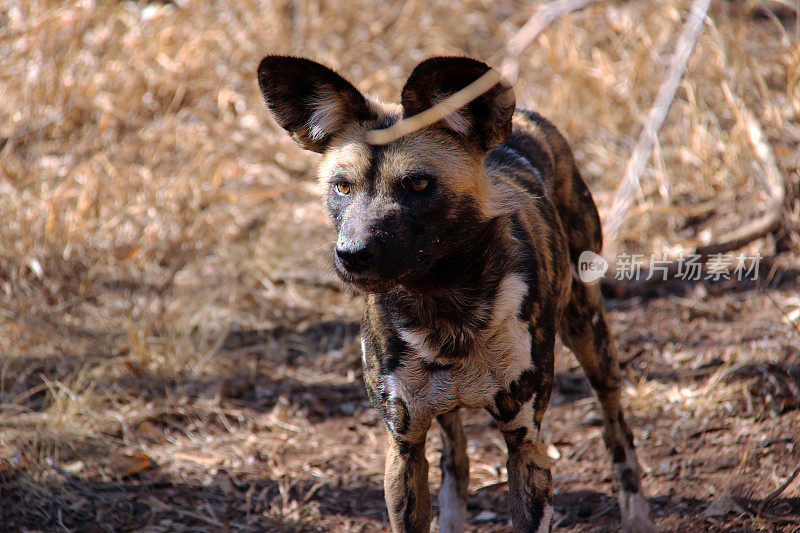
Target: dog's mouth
(373,284)
(366,281)
(378,278)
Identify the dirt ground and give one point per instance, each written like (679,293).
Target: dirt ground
(175,354)
(293,444)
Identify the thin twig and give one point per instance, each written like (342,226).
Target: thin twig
(506,74)
(777,492)
(77,486)
(655,119)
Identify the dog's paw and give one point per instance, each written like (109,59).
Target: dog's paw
(635,513)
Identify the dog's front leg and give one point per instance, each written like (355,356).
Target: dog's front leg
(408,498)
(530,483)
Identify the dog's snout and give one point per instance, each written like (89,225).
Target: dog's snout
(355,256)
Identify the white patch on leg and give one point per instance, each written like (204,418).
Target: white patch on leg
(394,387)
(633,507)
(507,340)
(363,352)
(635,513)
(452,510)
(547,518)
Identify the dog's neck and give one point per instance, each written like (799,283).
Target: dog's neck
(455,300)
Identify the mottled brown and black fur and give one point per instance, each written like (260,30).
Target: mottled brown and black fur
(463,237)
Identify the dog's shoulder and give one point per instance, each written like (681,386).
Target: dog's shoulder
(537,158)
(531,153)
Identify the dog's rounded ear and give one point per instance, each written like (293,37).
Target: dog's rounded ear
(486,121)
(309,100)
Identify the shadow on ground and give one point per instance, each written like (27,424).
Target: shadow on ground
(82,504)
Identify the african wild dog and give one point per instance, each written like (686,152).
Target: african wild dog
(461,235)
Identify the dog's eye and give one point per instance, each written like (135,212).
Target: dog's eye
(416,183)
(419,184)
(343,187)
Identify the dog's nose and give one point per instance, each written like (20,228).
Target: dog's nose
(354,256)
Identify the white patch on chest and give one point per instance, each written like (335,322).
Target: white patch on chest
(417,339)
(509,298)
(501,351)
(507,341)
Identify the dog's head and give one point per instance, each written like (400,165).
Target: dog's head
(401,207)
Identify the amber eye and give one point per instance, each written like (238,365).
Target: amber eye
(416,183)
(343,187)
(419,184)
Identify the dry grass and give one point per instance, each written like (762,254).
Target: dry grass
(174,352)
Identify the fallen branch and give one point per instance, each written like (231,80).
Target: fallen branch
(506,74)
(655,119)
(761,227)
(773,181)
(695,210)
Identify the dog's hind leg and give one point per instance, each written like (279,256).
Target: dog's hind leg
(455,474)
(585,331)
